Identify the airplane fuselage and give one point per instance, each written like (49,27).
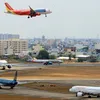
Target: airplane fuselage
(46,60)
(27,12)
(8,82)
(85,90)
(4,64)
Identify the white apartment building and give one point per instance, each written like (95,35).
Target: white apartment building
(13,46)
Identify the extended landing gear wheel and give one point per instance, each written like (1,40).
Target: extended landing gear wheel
(28,17)
(0,87)
(98,96)
(3,68)
(45,15)
(11,87)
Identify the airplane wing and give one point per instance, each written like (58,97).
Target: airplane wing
(33,12)
(31,9)
(23,82)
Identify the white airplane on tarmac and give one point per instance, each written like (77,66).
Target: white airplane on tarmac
(4,64)
(85,90)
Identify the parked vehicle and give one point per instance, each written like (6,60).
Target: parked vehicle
(48,63)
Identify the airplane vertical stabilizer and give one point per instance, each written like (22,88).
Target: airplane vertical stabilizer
(8,7)
(15,77)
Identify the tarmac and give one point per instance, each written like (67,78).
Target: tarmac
(24,91)
(45,94)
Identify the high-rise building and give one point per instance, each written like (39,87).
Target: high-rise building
(9,36)
(13,46)
(43,38)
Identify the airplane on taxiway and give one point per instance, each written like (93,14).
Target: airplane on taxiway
(28,12)
(46,60)
(9,83)
(85,90)
(4,64)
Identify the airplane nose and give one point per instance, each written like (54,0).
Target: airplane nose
(49,11)
(70,89)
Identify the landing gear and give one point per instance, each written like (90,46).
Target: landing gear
(11,87)
(28,17)
(0,87)
(45,15)
(98,96)
(3,68)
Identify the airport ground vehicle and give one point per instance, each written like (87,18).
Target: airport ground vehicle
(48,63)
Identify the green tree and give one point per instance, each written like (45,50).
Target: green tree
(52,57)
(43,54)
(30,54)
(70,56)
(74,56)
(80,60)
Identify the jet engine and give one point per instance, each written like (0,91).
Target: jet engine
(9,66)
(79,94)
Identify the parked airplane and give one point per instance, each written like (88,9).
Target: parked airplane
(85,90)
(29,12)
(10,83)
(4,64)
(46,60)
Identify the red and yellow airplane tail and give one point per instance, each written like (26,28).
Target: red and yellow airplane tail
(8,7)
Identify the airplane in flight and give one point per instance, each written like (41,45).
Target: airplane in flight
(4,64)
(85,90)
(9,83)
(28,12)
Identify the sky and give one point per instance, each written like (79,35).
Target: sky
(69,18)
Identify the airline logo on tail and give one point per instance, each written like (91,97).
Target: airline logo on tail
(15,78)
(8,8)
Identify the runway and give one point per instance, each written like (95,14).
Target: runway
(37,65)
(46,94)
(32,73)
